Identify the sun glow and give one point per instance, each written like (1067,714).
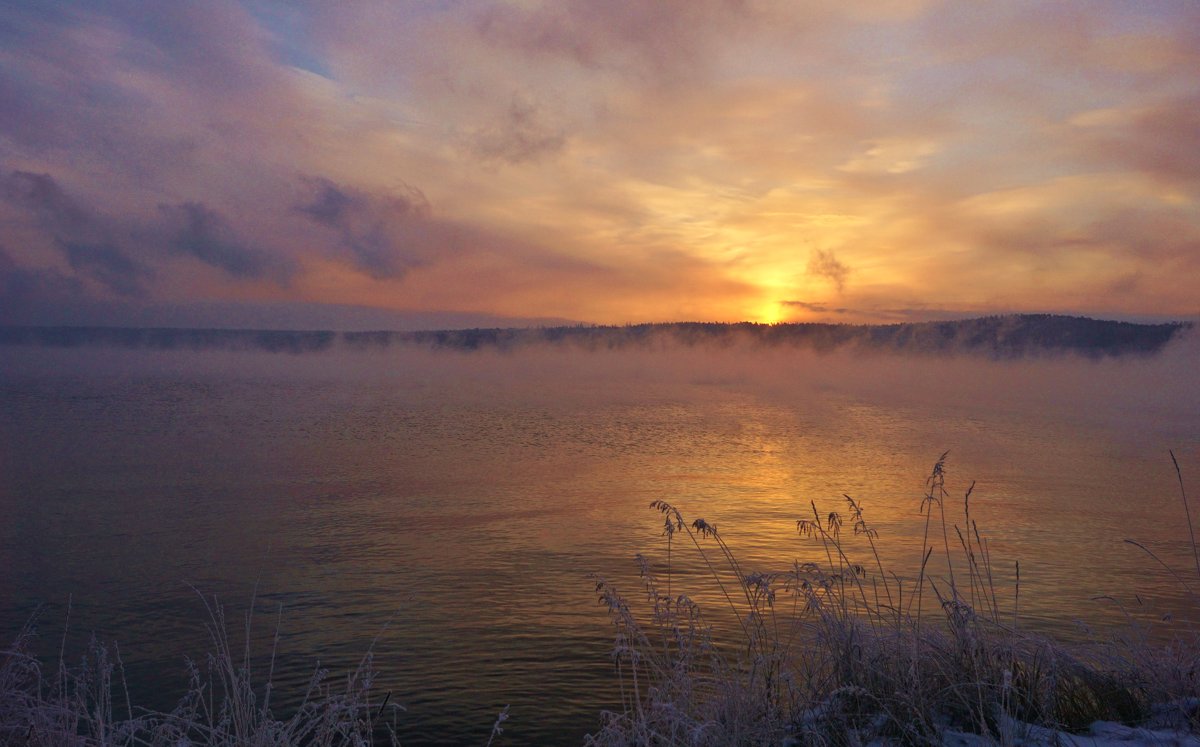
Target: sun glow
(771,312)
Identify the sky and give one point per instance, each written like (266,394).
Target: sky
(479,162)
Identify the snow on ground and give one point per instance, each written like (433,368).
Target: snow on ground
(1100,734)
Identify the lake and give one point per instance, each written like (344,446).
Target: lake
(455,505)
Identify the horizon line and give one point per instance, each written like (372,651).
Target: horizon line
(1164,321)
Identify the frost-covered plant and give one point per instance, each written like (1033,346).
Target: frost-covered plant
(842,652)
(224,706)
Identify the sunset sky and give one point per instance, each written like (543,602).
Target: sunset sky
(478,162)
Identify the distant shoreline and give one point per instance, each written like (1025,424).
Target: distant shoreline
(1008,336)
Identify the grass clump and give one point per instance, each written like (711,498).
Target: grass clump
(843,651)
(88,704)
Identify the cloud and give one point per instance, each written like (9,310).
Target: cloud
(217,46)
(84,237)
(659,38)
(823,264)
(42,195)
(521,136)
(331,205)
(66,87)
(874,313)
(572,145)
(25,292)
(199,231)
(877,311)
(1162,139)
(110,266)
(1086,242)
(1126,284)
(818,308)
(890,156)
(386,235)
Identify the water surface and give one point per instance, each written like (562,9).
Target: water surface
(454,504)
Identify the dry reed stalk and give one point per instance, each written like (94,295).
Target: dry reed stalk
(77,706)
(848,661)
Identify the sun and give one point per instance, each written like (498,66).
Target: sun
(771,312)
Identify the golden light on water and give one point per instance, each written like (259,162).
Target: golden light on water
(514,476)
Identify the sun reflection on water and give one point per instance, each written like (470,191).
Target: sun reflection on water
(470,506)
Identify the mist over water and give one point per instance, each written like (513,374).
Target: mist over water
(460,498)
